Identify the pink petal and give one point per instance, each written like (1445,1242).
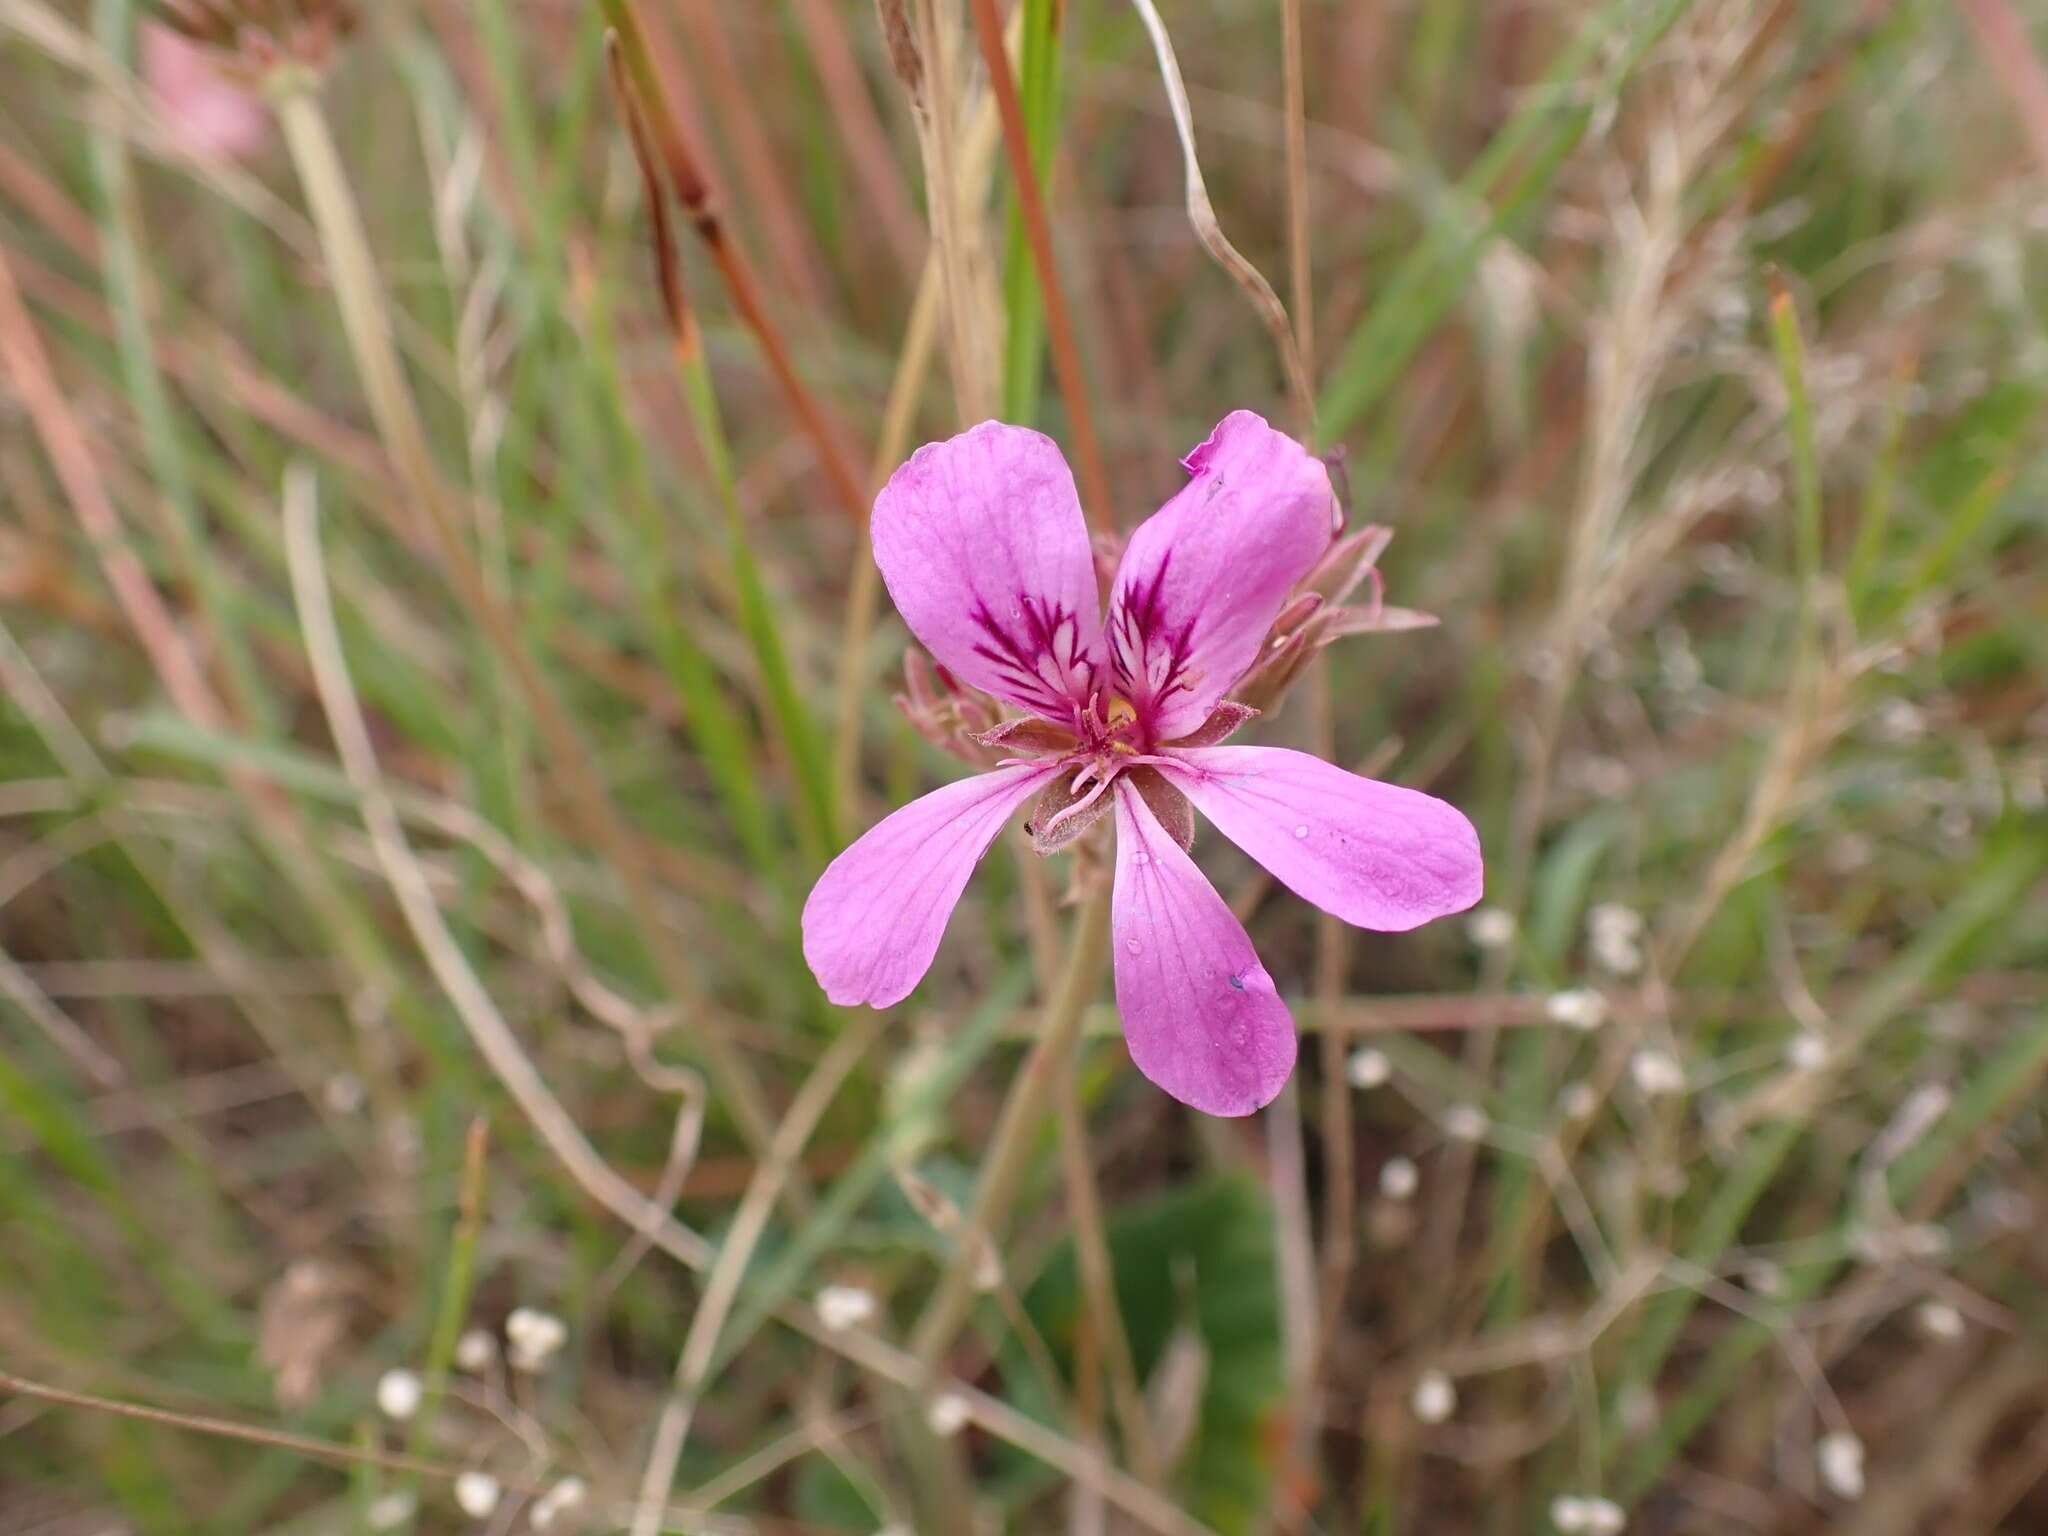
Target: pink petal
(875,917)
(1200,1014)
(1204,576)
(982,543)
(1377,855)
(211,116)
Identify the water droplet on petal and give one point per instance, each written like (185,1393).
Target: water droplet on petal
(1134,946)
(1141,858)
(1301,831)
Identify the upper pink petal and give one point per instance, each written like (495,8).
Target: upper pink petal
(1377,855)
(982,543)
(873,921)
(1205,575)
(1200,1014)
(211,115)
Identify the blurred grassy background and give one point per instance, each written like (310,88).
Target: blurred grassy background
(410,775)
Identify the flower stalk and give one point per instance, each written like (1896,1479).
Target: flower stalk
(1024,1113)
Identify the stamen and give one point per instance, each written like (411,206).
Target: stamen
(1078,806)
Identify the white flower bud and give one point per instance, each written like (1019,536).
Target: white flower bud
(1939,1320)
(532,1337)
(844,1306)
(1656,1074)
(1465,1122)
(475,1350)
(1434,1399)
(1579,1008)
(1807,1051)
(398,1394)
(387,1512)
(1398,1178)
(947,1414)
(1368,1068)
(1491,928)
(476,1494)
(1840,1459)
(556,1502)
(1578,1101)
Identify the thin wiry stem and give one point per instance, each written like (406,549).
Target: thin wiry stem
(701,1343)
(1098,1280)
(1016,1133)
(458,979)
(693,192)
(366,319)
(229,1429)
(1294,107)
(1202,215)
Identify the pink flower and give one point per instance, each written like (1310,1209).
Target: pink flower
(209,114)
(983,546)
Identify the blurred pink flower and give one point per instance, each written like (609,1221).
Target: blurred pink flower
(209,114)
(983,546)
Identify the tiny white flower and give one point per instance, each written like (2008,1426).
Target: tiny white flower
(1612,920)
(1568,1512)
(844,1306)
(388,1511)
(1939,1320)
(343,1093)
(947,1414)
(1465,1122)
(399,1393)
(1615,932)
(1656,1073)
(556,1502)
(1368,1068)
(1434,1398)
(475,1350)
(1807,1051)
(1491,928)
(1763,1277)
(1923,1240)
(1638,1408)
(532,1337)
(1840,1459)
(1579,1008)
(1578,1101)
(476,1494)
(1398,1178)
(1604,1517)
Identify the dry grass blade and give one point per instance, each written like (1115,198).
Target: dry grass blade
(465,991)
(1202,216)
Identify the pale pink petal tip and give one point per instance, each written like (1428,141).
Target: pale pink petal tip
(874,919)
(1376,855)
(985,552)
(1200,1014)
(211,116)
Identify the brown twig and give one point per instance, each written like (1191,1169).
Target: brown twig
(694,193)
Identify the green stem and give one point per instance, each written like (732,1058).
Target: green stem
(1009,1154)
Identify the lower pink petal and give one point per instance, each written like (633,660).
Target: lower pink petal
(875,917)
(1200,1014)
(1376,855)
